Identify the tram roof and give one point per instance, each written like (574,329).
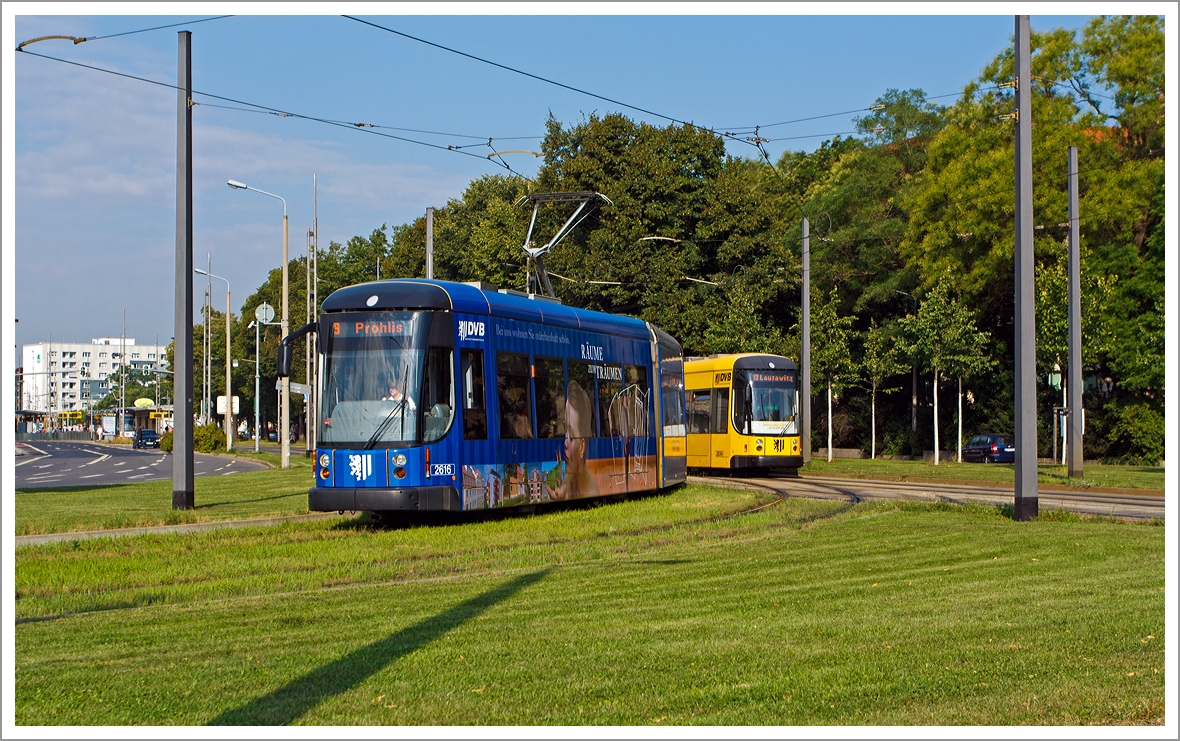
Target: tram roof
(416,294)
(738,361)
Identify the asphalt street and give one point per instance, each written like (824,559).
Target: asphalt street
(87,464)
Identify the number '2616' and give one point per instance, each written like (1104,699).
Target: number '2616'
(442,469)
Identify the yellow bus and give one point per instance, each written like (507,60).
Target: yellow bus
(742,413)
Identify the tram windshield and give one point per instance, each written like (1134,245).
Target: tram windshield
(374,379)
(764,402)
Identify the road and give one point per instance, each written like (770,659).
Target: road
(87,464)
(1124,503)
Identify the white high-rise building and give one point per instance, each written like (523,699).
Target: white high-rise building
(65,376)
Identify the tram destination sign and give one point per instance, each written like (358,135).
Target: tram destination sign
(376,326)
(761,376)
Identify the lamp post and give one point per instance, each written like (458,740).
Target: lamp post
(262,315)
(229,399)
(285,391)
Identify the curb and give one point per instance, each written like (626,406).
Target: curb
(191,527)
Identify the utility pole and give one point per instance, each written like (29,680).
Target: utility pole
(430,243)
(307,356)
(313,338)
(182,379)
(1026,370)
(229,399)
(1075,323)
(122,375)
(285,391)
(805,348)
(207,351)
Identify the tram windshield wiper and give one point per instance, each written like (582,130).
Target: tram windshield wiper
(399,407)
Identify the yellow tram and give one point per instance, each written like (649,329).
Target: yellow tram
(741,412)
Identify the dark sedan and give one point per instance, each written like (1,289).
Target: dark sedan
(145,438)
(990,449)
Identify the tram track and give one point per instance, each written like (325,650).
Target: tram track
(1118,505)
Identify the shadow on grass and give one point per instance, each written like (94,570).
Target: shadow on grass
(250,501)
(67,489)
(286,704)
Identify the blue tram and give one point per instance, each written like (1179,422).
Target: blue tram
(460,396)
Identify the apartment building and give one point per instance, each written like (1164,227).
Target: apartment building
(64,376)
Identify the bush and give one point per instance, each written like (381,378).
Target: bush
(206,439)
(1141,429)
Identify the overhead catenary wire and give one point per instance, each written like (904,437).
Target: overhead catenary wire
(482,139)
(539,78)
(732,136)
(755,140)
(82,39)
(278,111)
(158,28)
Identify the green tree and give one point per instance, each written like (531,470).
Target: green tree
(943,337)
(831,351)
(881,360)
(961,204)
(134,384)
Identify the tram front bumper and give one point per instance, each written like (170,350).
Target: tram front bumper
(765,461)
(413,498)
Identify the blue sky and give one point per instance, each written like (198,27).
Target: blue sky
(95,154)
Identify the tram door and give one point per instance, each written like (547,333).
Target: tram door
(719,429)
(612,420)
(641,458)
(700,409)
(481,483)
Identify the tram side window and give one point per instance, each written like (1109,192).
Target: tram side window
(699,406)
(672,404)
(475,413)
(579,403)
(720,411)
(636,393)
(549,378)
(438,393)
(612,406)
(516,408)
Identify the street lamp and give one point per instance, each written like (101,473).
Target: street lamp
(229,399)
(262,315)
(285,391)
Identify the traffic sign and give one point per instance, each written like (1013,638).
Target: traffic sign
(265,313)
(296,388)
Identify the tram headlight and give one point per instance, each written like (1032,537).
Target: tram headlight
(399,459)
(399,472)
(324,460)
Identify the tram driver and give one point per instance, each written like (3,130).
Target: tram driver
(396,395)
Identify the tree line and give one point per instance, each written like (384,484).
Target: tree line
(912,234)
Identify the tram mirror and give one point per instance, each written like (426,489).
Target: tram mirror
(283,361)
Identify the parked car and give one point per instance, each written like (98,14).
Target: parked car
(145,438)
(990,449)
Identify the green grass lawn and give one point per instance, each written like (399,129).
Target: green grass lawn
(241,496)
(1096,474)
(652,612)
